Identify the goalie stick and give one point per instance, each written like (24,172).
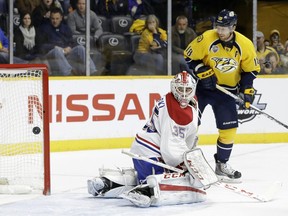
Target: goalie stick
(268,195)
(253,107)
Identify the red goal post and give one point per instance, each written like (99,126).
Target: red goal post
(24,129)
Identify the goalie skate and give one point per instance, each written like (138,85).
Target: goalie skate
(138,196)
(225,173)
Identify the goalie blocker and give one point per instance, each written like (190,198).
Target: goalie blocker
(157,190)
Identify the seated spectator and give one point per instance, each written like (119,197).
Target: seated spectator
(275,41)
(151,52)
(41,13)
(272,65)
(77,21)
(139,7)
(65,57)
(267,42)
(4,51)
(25,38)
(109,8)
(262,51)
(24,6)
(182,35)
(284,56)
(73,5)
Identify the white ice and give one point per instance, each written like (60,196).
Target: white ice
(260,164)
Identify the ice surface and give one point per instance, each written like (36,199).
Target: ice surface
(260,164)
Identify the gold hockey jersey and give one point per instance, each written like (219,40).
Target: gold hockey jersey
(228,62)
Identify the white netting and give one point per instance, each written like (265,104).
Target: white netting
(21,117)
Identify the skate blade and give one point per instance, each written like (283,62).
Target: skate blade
(226,179)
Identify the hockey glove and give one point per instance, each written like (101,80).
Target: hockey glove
(207,77)
(247,94)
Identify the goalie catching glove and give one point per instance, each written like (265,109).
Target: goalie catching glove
(247,94)
(207,76)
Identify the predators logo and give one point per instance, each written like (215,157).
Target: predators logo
(225,65)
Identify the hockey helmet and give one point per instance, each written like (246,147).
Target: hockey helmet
(183,87)
(226,18)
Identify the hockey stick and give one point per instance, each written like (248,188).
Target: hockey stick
(157,163)
(269,195)
(253,107)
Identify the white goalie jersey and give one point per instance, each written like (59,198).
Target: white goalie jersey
(170,128)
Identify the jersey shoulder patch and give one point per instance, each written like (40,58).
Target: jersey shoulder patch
(179,115)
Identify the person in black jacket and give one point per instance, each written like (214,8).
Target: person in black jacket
(63,54)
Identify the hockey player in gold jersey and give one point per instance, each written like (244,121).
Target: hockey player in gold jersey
(225,57)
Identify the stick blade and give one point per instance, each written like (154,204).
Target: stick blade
(272,191)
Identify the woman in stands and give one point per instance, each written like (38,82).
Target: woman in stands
(151,52)
(25,38)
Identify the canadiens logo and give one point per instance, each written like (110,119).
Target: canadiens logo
(225,65)
(245,115)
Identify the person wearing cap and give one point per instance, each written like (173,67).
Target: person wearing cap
(276,42)
(225,57)
(262,51)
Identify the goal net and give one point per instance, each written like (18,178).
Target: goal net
(24,129)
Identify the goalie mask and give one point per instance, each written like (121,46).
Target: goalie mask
(183,87)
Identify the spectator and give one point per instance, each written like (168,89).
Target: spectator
(109,8)
(139,7)
(24,6)
(284,56)
(73,5)
(272,65)
(276,42)
(63,55)
(151,50)
(263,51)
(25,38)
(182,35)
(4,51)
(77,19)
(267,42)
(41,13)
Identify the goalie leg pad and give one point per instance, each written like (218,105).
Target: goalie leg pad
(174,189)
(111,182)
(165,189)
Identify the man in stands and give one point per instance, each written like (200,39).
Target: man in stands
(65,57)
(77,21)
(182,35)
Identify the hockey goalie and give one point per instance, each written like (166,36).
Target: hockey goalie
(166,141)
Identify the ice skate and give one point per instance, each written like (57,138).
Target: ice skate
(226,173)
(98,186)
(139,196)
